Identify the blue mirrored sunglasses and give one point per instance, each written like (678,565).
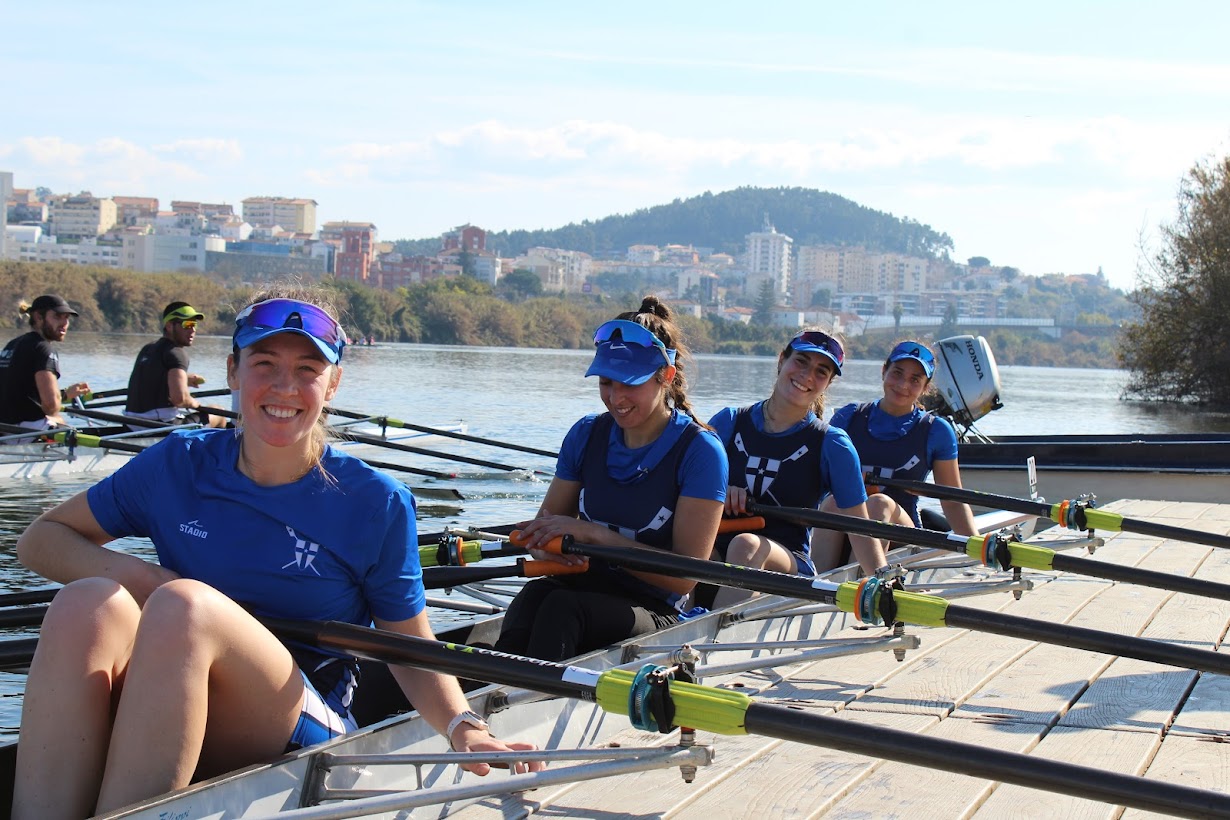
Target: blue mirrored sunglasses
(825,342)
(632,333)
(283,314)
(914,350)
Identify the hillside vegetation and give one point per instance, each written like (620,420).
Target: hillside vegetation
(721,221)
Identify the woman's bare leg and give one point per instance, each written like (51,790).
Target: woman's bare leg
(208,688)
(78,669)
(750,550)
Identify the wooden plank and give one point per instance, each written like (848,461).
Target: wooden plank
(1126,752)
(1190,760)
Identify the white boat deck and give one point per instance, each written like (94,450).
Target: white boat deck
(1117,714)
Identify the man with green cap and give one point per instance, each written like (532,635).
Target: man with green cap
(160,381)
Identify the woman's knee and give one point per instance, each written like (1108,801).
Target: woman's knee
(881,508)
(184,607)
(745,550)
(99,601)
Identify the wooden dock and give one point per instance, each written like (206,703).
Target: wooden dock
(1117,714)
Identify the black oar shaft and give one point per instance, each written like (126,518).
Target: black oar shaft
(453,659)
(777,722)
(1045,558)
(16,653)
(946,614)
(376,441)
(22,616)
(1097,519)
(388,465)
(436,431)
(199,394)
(1140,577)
(985,761)
(1094,640)
(28,596)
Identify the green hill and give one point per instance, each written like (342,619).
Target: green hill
(721,221)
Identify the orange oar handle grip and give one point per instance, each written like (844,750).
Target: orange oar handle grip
(744,523)
(536,569)
(554,546)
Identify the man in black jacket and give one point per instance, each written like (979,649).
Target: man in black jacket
(30,393)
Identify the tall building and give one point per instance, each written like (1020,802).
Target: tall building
(768,257)
(130,209)
(295,215)
(464,237)
(6,191)
(356,249)
(81,216)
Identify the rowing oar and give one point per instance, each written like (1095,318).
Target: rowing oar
(1075,515)
(444,577)
(28,596)
(376,441)
(392,422)
(997,550)
(118,418)
(728,712)
(452,551)
(872,602)
(107,394)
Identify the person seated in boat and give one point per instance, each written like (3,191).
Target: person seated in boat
(30,392)
(781,454)
(896,438)
(645,474)
(148,675)
(160,381)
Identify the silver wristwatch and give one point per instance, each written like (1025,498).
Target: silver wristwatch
(470,717)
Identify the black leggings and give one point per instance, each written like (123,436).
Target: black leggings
(554,619)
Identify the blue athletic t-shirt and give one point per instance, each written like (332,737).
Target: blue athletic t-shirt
(344,550)
(702,472)
(941,442)
(841,472)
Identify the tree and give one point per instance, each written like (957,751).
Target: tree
(766,300)
(520,284)
(978,262)
(1178,349)
(948,326)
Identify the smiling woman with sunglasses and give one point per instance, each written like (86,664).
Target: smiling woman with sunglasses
(645,473)
(150,675)
(782,454)
(896,438)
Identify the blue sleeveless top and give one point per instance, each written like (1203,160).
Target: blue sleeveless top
(642,510)
(781,471)
(905,457)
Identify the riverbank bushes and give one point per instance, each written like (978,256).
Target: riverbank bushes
(460,311)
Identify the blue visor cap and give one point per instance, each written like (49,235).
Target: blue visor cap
(628,353)
(916,351)
(268,318)
(813,341)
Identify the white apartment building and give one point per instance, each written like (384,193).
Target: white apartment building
(6,193)
(557,268)
(168,253)
(295,215)
(643,254)
(81,216)
(769,258)
(32,246)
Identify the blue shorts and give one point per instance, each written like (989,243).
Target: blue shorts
(324,716)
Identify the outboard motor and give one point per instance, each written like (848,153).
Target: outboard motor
(966,379)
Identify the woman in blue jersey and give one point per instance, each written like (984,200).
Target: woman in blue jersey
(896,438)
(150,675)
(782,454)
(644,474)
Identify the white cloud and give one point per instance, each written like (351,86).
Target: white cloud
(204,150)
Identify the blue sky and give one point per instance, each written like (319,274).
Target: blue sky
(1050,136)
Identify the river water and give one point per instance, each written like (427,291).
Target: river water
(531,397)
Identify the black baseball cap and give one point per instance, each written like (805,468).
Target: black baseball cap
(49,301)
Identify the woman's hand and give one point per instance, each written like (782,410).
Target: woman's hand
(736,500)
(467,738)
(539,532)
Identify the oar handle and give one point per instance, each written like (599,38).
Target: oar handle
(539,569)
(748,523)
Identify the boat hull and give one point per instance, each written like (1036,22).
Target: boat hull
(1169,467)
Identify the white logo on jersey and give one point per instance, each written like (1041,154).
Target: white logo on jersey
(193,528)
(760,472)
(305,552)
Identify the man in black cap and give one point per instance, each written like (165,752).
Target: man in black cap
(30,393)
(160,381)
